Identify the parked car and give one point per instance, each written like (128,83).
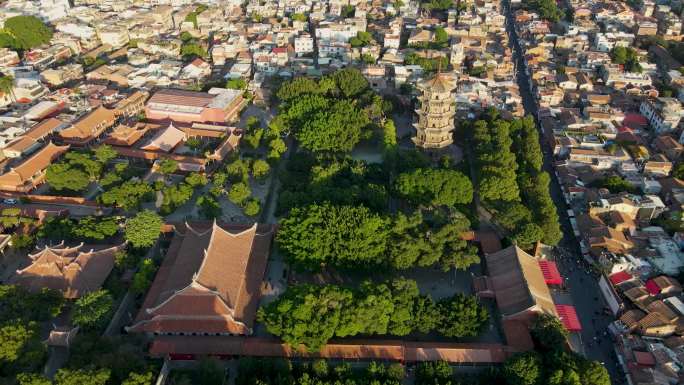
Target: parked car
(9,201)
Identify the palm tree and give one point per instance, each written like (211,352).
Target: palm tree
(7,86)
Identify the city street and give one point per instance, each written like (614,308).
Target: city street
(582,284)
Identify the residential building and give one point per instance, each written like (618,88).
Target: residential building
(218,105)
(663,114)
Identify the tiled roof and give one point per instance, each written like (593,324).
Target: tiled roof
(39,161)
(210,281)
(518,282)
(181,97)
(165,139)
(69,270)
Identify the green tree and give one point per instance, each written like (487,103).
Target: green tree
(210,372)
(15,340)
(27,32)
(615,184)
(462,316)
(105,153)
(175,196)
(350,82)
(306,315)
(253,138)
(93,310)
(192,50)
(337,129)
(196,179)
(62,176)
(593,373)
(299,17)
(18,303)
(361,39)
(549,333)
(209,207)
(146,378)
(7,83)
(389,136)
(238,171)
(527,235)
(276,148)
(339,235)
(22,241)
(144,276)
(252,207)
(260,169)
(143,229)
(236,84)
(296,88)
(82,377)
(523,369)
(238,193)
(128,196)
(441,38)
(347,11)
(56,228)
(32,379)
(435,187)
(95,228)
(437,372)
(167,166)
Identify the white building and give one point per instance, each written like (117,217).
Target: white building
(663,114)
(303,45)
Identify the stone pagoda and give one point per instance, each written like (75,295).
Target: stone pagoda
(436,114)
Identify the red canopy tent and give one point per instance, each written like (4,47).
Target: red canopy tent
(568,317)
(620,277)
(652,287)
(550,271)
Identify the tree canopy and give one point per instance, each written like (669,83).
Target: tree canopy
(143,229)
(340,235)
(24,32)
(330,115)
(93,310)
(311,315)
(435,187)
(511,181)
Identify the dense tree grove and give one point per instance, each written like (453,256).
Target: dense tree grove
(626,56)
(533,181)
(339,235)
(496,162)
(21,348)
(264,371)
(311,315)
(511,182)
(78,169)
(547,9)
(330,115)
(434,187)
(93,310)
(356,237)
(307,180)
(143,229)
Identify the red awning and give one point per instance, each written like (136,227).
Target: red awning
(568,317)
(551,274)
(619,277)
(652,287)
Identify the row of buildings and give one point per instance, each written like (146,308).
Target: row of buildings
(616,135)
